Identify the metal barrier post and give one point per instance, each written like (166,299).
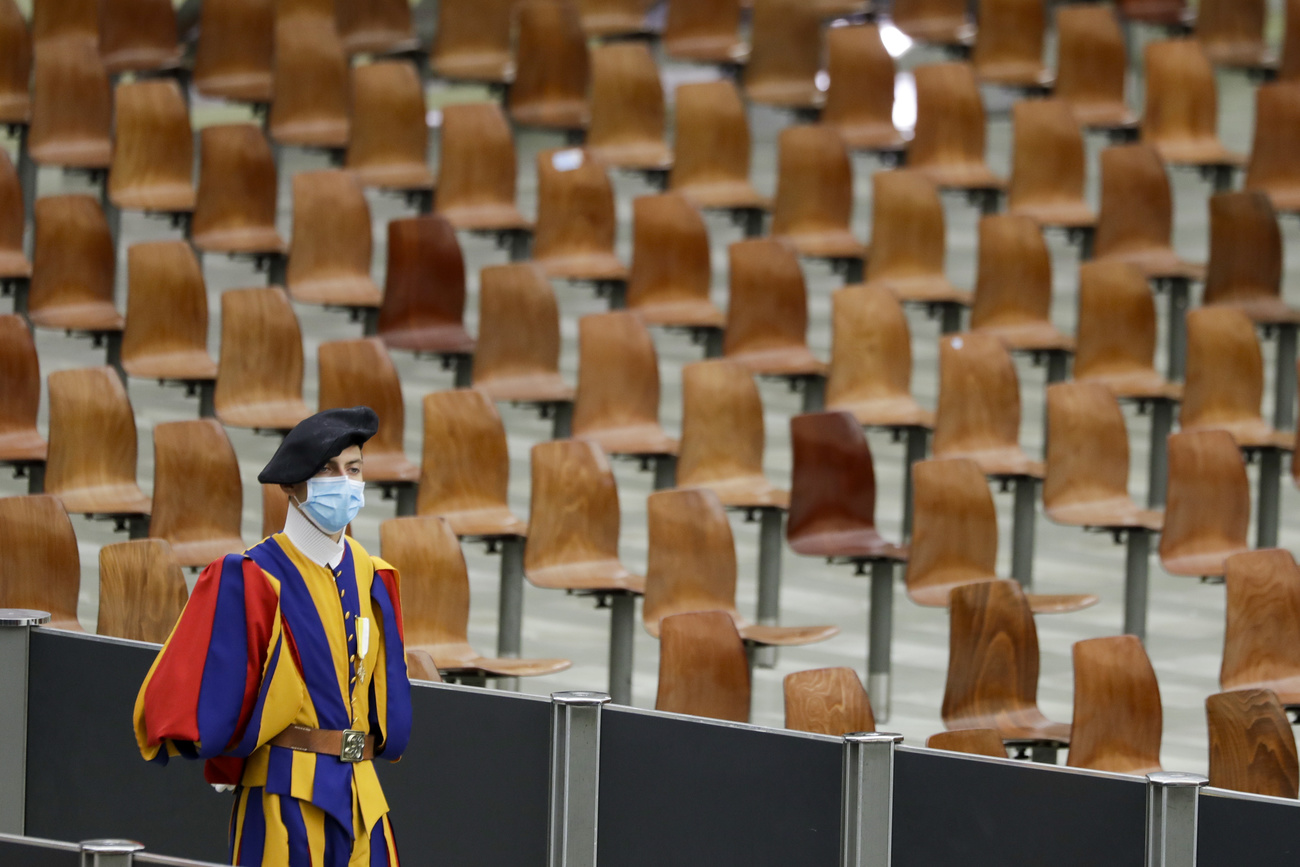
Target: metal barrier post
(867,801)
(1172,802)
(771,544)
(15,628)
(109,853)
(575,778)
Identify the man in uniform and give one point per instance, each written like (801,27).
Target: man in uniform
(287,670)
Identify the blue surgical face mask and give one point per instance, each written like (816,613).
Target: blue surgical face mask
(333,501)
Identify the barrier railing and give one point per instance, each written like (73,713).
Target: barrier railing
(20,851)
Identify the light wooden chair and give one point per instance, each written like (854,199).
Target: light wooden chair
(40,567)
(702,667)
(1117,714)
(259,374)
(198,500)
(552,67)
(1252,747)
(141,590)
(827,701)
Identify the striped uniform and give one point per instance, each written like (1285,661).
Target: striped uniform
(267,640)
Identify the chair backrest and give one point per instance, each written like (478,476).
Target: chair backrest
(977,742)
(275,509)
(1009,32)
(1013,283)
(330,250)
(138,34)
(691,565)
(373,25)
(518,324)
(1225,370)
(13,262)
(1153,11)
(1289,62)
(767,305)
(237,179)
(435,581)
(1117,716)
(573,517)
(470,30)
(1087,446)
(1048,157)
(552,63)
(389,130)
(72,105)
(1137,207)
(950,126)
(722,424)
(1226,27)
(907,226)
(1263,619)
(1207,504)
(477,159)
(670,252)
(425,286)
(832,478)
(827,701)
(860,98)
(575,205)
(360,372)
(166,312)
(197,493)
(92,434)
(627,98)
(466,464)
(610,19)
(237,41)
(39,564)
(979,396)
(153,147)
(954,524)
(141,590)
(702,667)
(711,136)
(785,45)
(1252,746)
(69,18)
(1091,59)
(309,102)
(871,347)
(689,23)
(261,351)
(16,64)
(1117,322)
(20,391)
(1245,248)
(992,653)
(1272,152)
(73,260)
(618,373)
(911,15)
(1182,100)
(814,186)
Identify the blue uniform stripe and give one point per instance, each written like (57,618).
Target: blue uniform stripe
(379,845)
(296,831)
(252,841)
(338,843)
(252,732)
(397,731)
(279,771)
(225,669)
(332,789)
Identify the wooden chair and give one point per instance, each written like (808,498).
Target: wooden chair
(1273,168)
(827,701)
(153,150)
(471,41)
(785,55)
(39,565)
(309,95)
(712,152)
(379,27)
(232,60)
(860,98)
(141,590)
(1289,61)
(703,669)
(627,108)
(329,256)
(166,333)
(360,372)
(275,509)
(1008,48)
(15,269)
(21,444)
(1170,14)
(1207,504)
(92,461)
(551,67)
(259,375)
(436,597)
(935,22)
(465,466)
(1180,117)
(73,271)
(1232,34)
(617,402)
(1260,650)
(614,19)
(1116,342)
(814,197)
(955,538)
(668,284)
(1090,66)
(704,31)
(576,224)
(138,36)
(1135,222)
(993,668)
(1117,714)
(476,173)
(389,144)
(198,500)
(1245,267)
(424,294)
(72,19)
(71,107)
(948,146)
(1047,171)
(976,742)
(907,245)
(234,211)
(15,65)
(1252,747)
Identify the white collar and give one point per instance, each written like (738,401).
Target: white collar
(315,545)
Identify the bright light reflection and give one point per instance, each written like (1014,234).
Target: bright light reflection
(896,41)
(822,80)
(905,103)
(433,118)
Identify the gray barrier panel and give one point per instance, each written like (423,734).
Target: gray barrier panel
(1236,830)
(954,809)
(13,854)
(684,792)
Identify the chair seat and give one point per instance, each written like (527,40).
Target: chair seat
(158,198)
(420,665)
(22,446)
(584,266)
(724,195)
(1287,689)
(343,291)
(277,415)
(395,176)
(941,30)
(1036,336)
(380,41)
(1285,196)
(485,218)
(864,543)
(786,94)
(866,136)
(67,624)
(237,86)
(1067,214)
(440,339)
(490,67)
(786,636)
(94,317)
(781,361)
(1265,310)
(1198,152)
(1195,564)
(828,244)
(558,114)
(250,240)
(77,154)
(1015,73)
(186,365)
(1157,262)
(315,133)
(891,412)
(747,492)
(635,155)
(1019,726)
(461,659)
(201,552)
(681,313)
(1114,114)
(593,576)
(964,176)
(1001,462)
(842,8)
(143,59)
(119,499)
(14,264)
(603,24)
(15,108)
(707,49)
(1251,434)
(389,467)
(1246,54)
(924,289)
(935,595)
(527,388)
(1108,513)
(638,439)
(1137,384)
(485,523)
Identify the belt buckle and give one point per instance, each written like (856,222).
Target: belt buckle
(354,746)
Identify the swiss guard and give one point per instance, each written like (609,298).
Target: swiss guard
(287,670)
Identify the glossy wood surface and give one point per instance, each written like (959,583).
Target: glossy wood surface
(827,701)
(141,590)
(259,375)
(39,564)
(198,499)
(702,667)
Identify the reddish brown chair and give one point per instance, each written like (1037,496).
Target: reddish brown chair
(935,22)
(1245,267)
(1117,333)
(703,670)
(141,590)
(785,55)
(576,223)
(73,19)
(309,96)
(827,701)
(976,742)
(389,143)
(712,153)
(329,257)
(71,107)
(614,19)
(21,444)
(198,500)
(138,36)
(1232,34)
(860,98)
(704,31)
(1207,504)
(627,109)
(948,146)
(259,376)
(1289,62)
(1252,747)
(15,65)
(377,27)
(234,211)
(233,57)
(552,67)
(1009,44)
(814,198)
(671,269)
(1090,66)
(1135,223)
(476,174)
(1273,167)
(1260,646)
(153,150)
(1117,715)
(15,270)
(39,565)
(471,41)
(1047,171)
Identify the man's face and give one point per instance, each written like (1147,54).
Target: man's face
(346,463)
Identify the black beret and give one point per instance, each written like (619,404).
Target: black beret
(310,445)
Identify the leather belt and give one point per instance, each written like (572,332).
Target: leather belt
(349,746)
